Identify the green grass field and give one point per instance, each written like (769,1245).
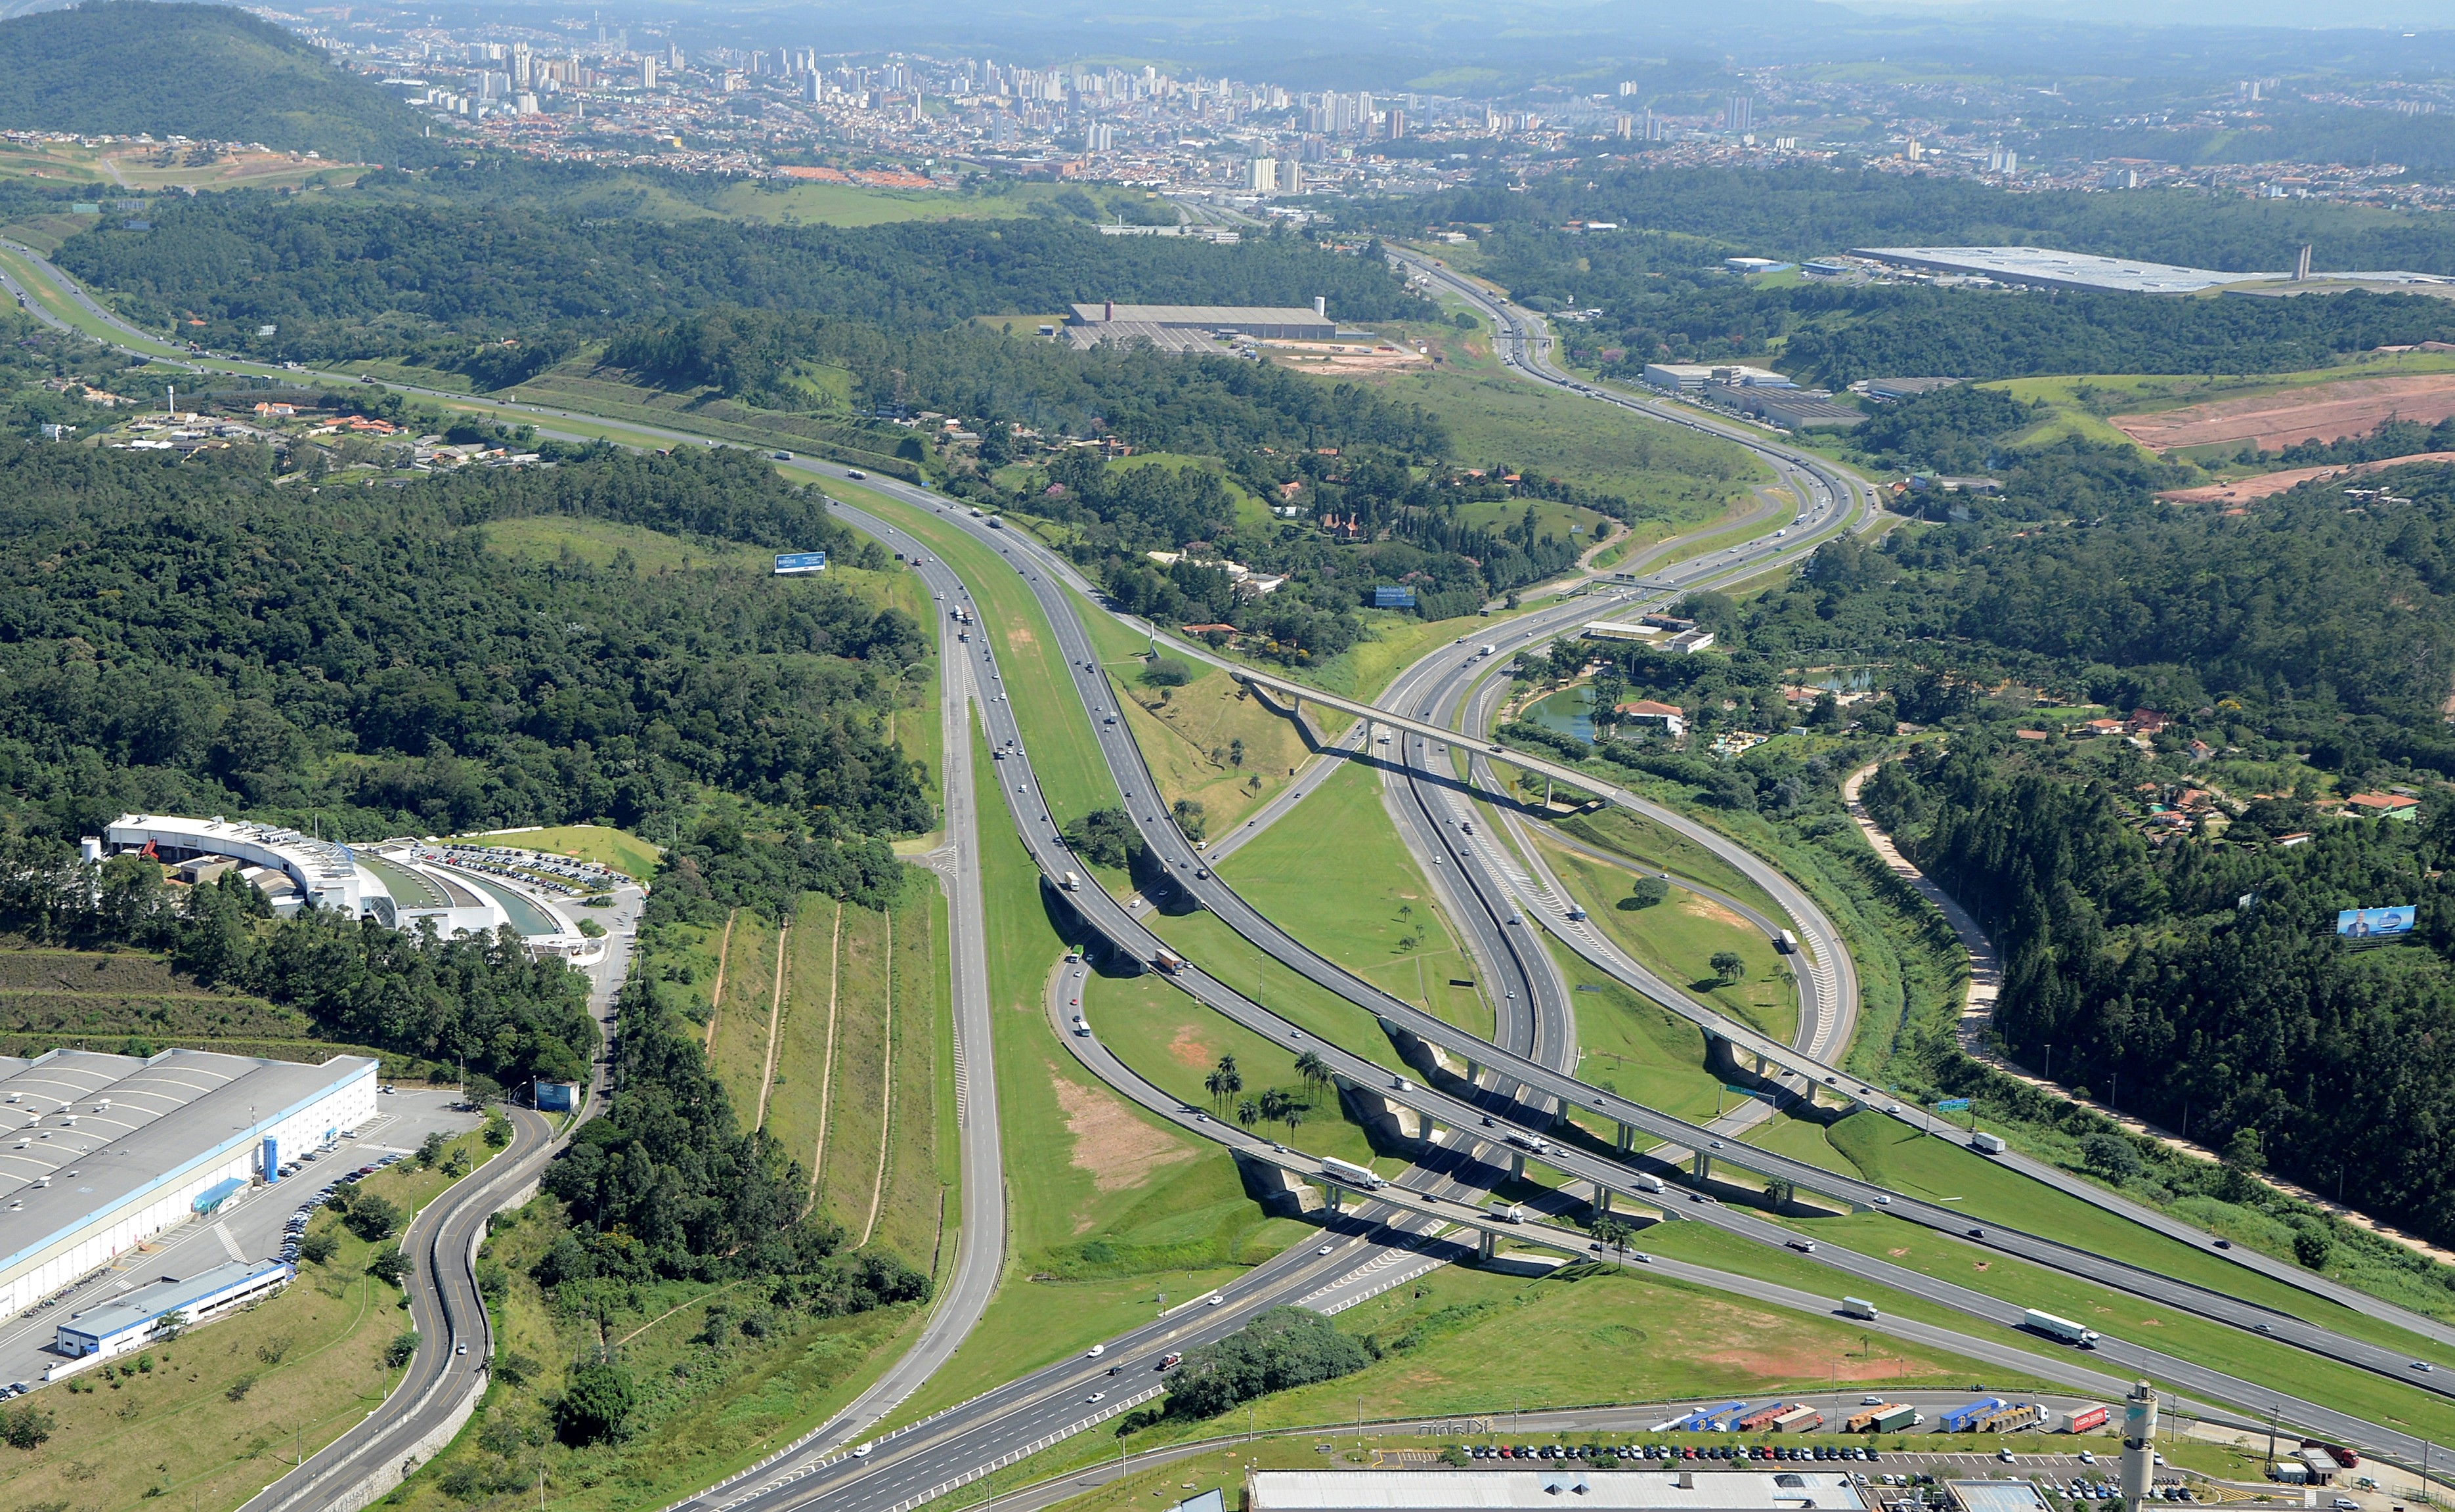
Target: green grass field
(1627,833)
(1173,1042)
(1898,1157)
(1211,740)
(1222,953)
(1678,935)
(1335,876)
(736,1031)
(1637,1049)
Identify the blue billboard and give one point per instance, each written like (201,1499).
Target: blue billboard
(2374,923)
(1392,598)
(788,563)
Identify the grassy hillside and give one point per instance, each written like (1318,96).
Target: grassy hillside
(201,70)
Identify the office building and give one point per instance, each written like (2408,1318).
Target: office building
(132,1320)
(1740,113)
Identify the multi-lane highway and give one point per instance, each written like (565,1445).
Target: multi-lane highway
(1523,1081)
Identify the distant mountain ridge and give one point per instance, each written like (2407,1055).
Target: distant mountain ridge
(130,66)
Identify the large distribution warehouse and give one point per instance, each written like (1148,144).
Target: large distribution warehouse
(99,1153)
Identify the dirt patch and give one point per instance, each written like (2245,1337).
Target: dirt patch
(1779,1365)
(1187,1049)
(2274,421)
(1698,906)
(1019,636)
(2266,485)
(1117,1148)
(1980,1266)
(1897,1253)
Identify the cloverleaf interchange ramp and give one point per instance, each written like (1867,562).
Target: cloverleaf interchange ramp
(1526,351)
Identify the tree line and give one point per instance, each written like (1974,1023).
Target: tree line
(401,267)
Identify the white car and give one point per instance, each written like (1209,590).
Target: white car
(1095,1351)
(1097,1395)
(1324,1250)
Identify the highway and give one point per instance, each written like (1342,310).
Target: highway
(1454,1103)
(1527,1075)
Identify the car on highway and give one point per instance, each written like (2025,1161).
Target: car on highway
(1097,1395)
(459,1349)
(1324,1250)
(1216,1301)
(1095,1351)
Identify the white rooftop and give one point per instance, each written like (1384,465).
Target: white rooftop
(1511,1490)
(2050,268)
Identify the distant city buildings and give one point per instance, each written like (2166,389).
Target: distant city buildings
(614,95)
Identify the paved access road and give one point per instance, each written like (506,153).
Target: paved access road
(444,1308)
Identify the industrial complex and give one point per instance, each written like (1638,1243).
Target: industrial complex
(104,1152)
(1195,328)
(2046,268)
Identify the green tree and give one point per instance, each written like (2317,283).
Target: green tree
(1646,891)
(318,1247)
(596,1404)
(402,1348)
(2313,1248)
(373,1217)
(1728,966)
(390,1266)
(430,1150)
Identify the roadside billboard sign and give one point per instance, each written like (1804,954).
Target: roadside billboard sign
(2375,923)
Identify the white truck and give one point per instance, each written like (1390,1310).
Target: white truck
(1985,1143)
(1073,882)
(1347,1173)
(1508,1212)
(1646,1182)
(1857,1307)
(2062,1328)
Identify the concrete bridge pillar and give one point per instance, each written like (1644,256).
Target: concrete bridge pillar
(1516,1167)
(1602,1199)
(1487,1244)
(1704,1165)
(1624,1138)
(1337,1196)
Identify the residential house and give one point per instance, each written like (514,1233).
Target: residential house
(1646,711)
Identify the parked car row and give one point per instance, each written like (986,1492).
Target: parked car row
(295,1228)
(1667,1452)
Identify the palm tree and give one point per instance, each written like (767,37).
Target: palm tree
(1275,1104)
(1314,1070)
(1225,1082)
(1216,1084)
(1249,1113)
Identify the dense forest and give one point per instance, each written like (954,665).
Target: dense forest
(378,271)
(213,73)
(1207,406)
(2203,986)
(198,636)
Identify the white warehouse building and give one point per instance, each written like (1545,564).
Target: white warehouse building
(100,1152)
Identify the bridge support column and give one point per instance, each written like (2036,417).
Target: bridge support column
(1337,1197)
(1487,1244)
(1516,1167)
(1704,1166)
(1624,1138)
(1602,1199)
(1474,1072)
